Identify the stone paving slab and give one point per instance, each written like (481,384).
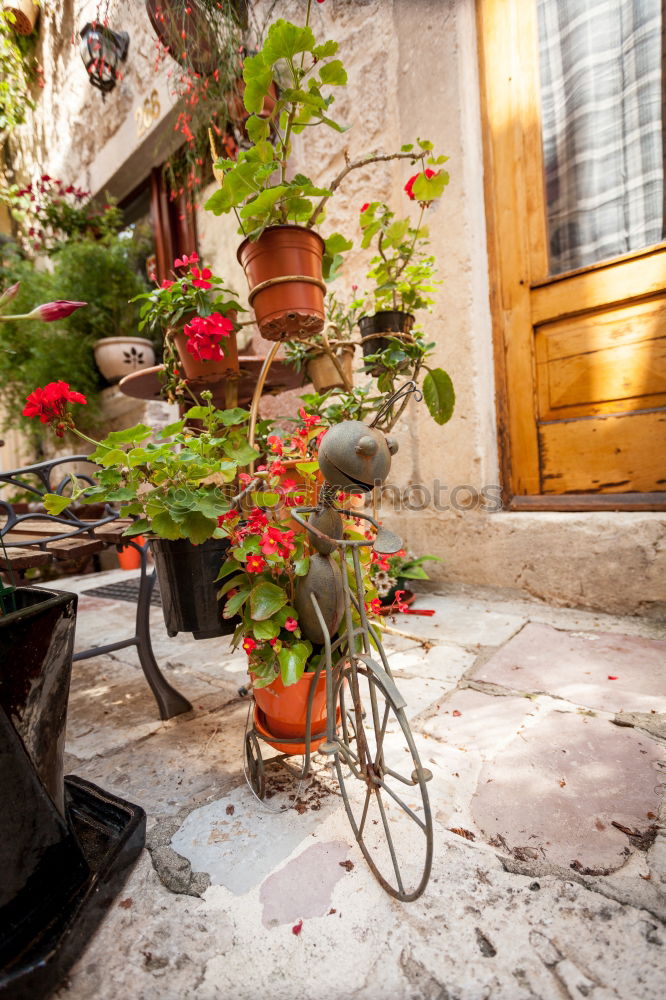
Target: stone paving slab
(489,926)
(607,671)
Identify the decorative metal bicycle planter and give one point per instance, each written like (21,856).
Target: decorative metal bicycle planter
(367,735)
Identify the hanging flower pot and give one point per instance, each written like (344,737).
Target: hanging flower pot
(323,373)
(187,575)
(119,356)
(282,711)
(284,272)
(25,15)
(207,347)
(391,322)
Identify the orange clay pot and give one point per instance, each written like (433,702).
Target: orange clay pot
(291,308)
(207,371)
(281,711)
(128,557)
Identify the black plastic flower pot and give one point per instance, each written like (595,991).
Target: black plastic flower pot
(390,321)
(65,845)
(187,574)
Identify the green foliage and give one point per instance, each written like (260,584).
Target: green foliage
(256,184)
(178,485)
(102,274)
(16,76)
(402,272)
(33,353)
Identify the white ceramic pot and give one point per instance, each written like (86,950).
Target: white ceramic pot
(118,356)
(25,13)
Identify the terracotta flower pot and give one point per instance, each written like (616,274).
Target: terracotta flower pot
(25,13)
(392,322)
(284,272)
(119,356)
(282,712)
(324,375)
(207,371)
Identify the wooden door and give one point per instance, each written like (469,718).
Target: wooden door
(580,356)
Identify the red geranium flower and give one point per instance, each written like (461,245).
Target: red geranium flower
(200,277)
(185,260)
(50,405)
(410,183)
(204,335)
(365,207)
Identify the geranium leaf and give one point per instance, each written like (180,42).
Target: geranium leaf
(439,395)
(430,188)
(164,526)
(196,527)
(292,660)
(333,73)
(55,504)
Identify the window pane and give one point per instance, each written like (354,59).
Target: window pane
(601,104)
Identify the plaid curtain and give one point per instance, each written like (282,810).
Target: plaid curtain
(601,104)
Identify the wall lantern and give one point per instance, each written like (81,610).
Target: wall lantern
(102,50)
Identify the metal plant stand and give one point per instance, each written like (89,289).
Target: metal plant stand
(368,739)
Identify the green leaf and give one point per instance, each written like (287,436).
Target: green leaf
(175,428)
(292,662)
(258,129)
(197,413)
(430,188)
(230,566)
(307,469)
(237,415)
(284,41)
(286,612)
(133,435)
(439,395)
(137,528)
(266,598)
(114,457)
(55,504)
(333,73)
(416,573)
(235,603)
(241,454)
(302,565)
(336,243)
(266,630)
(164,526)
(239,581)
(258,76)
(325,50)
(407,148)
(196,527)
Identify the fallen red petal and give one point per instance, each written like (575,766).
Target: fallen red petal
(297,928)
(611,678)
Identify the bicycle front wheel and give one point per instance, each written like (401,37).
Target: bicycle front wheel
(382,781)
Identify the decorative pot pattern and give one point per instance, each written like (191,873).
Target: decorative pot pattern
(119,356)
(284,273)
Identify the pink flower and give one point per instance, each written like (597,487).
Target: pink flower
(309,419)
(59,309)
(291,624)
(50,405)
(249,645)
(167,284)
(428,173)
(200,277)
(277,468)
(184,261)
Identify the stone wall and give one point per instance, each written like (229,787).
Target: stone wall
(413,72)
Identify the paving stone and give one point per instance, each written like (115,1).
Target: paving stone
(578,667)
(303,887)
(555,790)
(470,623)
(484,723)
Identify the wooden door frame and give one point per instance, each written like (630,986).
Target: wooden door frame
(520,286)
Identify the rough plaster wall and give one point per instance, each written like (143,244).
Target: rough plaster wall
(413,72)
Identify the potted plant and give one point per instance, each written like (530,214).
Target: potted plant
(198,317)
(284,260)
(176,487)
(327,356)
(391,573)
(23,15)
(402,271)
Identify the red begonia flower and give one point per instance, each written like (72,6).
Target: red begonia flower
(291,624)
(249,645)
(255,564)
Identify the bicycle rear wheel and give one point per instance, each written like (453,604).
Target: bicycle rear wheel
(382,781)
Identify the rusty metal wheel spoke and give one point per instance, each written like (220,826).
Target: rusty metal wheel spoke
(384,790)
(254,765)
